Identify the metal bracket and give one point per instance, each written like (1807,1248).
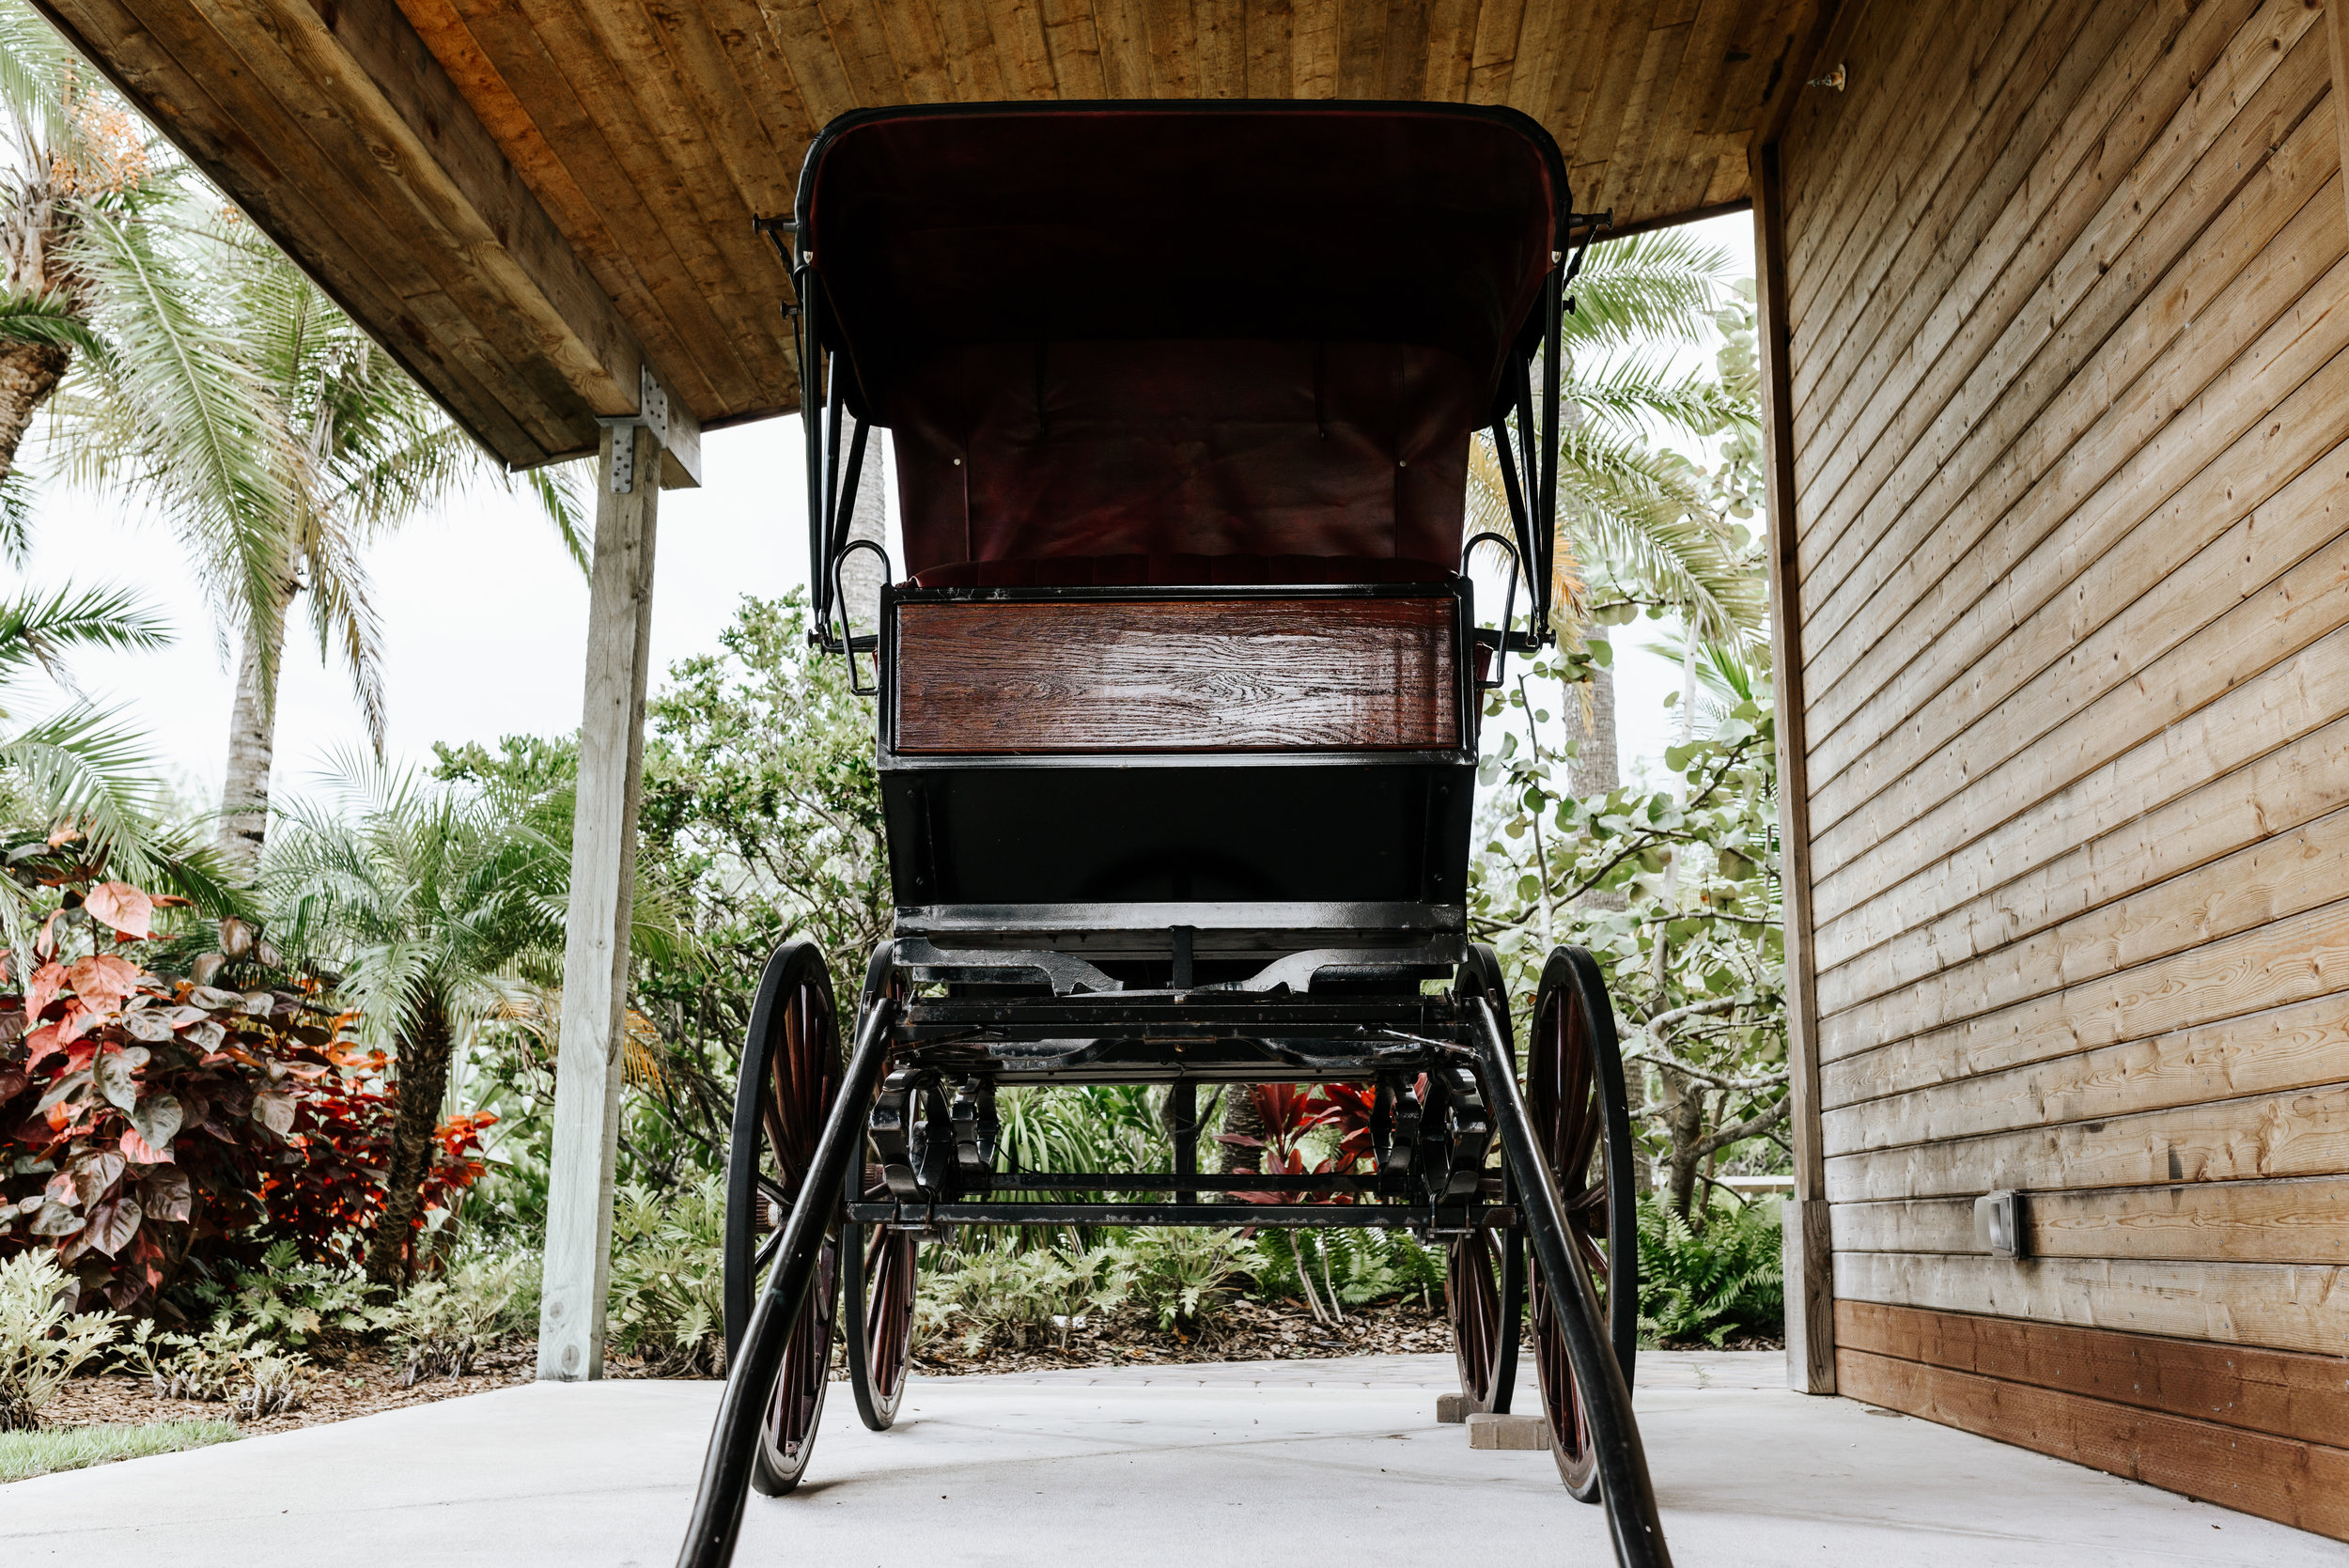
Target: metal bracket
(920,959)
(652,413)
(1298,971)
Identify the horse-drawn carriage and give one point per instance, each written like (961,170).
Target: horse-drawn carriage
(1178,702)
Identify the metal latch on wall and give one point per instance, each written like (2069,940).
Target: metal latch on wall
(652,413)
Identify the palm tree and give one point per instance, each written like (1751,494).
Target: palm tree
(215,384)
(439,908)
(1641,525)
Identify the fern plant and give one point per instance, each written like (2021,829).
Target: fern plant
(1709,1283)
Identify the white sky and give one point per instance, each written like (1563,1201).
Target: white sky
(485,618)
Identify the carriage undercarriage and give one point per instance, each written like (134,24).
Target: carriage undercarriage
(845,1163)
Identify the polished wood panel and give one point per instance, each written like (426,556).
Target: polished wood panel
(1075,676)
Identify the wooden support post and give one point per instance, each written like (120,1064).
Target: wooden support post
(1808,1259)
(595,954)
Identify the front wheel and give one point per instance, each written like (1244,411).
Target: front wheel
(1583,1124)
(791,1070)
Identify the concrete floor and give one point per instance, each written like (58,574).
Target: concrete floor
(1270,1462)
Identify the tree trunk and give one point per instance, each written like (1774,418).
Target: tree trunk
(1241,1119)
(425,1057)
(29,372)
(253,735)
(1595,769)
(1681,1110)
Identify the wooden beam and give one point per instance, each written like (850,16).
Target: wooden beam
(1809,1260)
(595,958)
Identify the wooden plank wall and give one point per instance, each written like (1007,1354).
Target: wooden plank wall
(2067,295)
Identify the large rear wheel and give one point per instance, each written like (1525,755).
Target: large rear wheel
(879,1263)
(791,1068)
(1583,1123)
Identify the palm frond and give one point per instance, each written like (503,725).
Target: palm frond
(50,318)
(38,631)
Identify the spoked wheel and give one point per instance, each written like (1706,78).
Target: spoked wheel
(1582,1123)
(791,1068)
(879,1265)
(1483,1298)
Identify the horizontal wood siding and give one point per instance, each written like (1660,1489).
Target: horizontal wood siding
(2068,297)
(1178,676)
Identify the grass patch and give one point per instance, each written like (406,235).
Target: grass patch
(25,1454)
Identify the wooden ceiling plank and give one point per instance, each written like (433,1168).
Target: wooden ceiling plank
(721,49)
(1075,43)
(668,176)
(581,159)
(974,62)
(919,49)
(1125,40)
(1451,50)
(1271,49)
(1403,51)
(1317,35)
(499,109)
(1605,80)
(860,41)
(1499,26)
(1020,44)
(1362,48)
(1222,26)
(1173,39)
(807,53)
(1677,173)
(1643,144)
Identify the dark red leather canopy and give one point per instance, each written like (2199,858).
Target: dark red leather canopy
(1181,329)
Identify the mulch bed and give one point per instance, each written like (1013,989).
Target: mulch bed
(1244,1330)
(363,1380)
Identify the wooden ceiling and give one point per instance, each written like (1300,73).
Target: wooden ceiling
(527,200)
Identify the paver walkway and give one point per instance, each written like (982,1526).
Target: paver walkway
(1137,1468)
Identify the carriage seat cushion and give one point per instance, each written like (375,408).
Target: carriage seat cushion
(1179,571)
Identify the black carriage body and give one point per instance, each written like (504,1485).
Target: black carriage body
(1178,708)
(1108,852)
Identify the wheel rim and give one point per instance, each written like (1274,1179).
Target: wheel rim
(1471,1297)
(798,1078)
(889,1281)
(1570,1115)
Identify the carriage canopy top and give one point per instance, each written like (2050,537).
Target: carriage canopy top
(1248,332)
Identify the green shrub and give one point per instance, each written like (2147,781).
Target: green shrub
(40,1343)
(667,1301)
(1182,1274)
(1710,1284)
(225,1363)
(480,1298)
(1010,1300)
(27,1455)
(1361,1265)
(289,1299)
